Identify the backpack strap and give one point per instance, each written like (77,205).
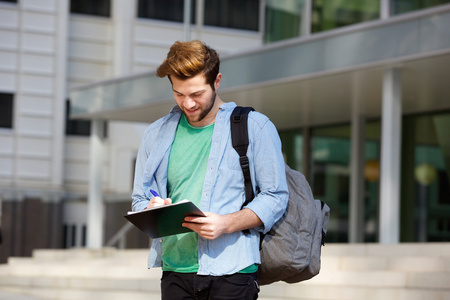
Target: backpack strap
(240,141)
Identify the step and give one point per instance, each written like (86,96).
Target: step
(85,269)
(129,256)
(350,271)
(120,284)
(388,250)
(317,292)
(128,280)
(77,294)
(150,290)
(403,264)
(6,294)
(382,279)
(430,280)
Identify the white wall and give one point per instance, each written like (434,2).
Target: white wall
(89,59)
(29,68)
(36,47)
(153,38)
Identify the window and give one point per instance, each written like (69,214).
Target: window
(91,7)
(74,235)
(76,127)
(167,10)
(292,141)
(328,15)
(425,178)
(238,14)
(329,176)
(283,19)
(403,6)
(6,110)
(80,127)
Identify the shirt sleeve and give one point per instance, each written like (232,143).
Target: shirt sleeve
(269,178)
(140,200)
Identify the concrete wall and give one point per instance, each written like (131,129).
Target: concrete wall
(44,51)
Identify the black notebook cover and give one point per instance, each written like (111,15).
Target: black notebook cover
(164,220)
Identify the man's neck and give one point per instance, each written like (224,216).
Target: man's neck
(211,117)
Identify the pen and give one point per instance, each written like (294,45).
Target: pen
(154,193)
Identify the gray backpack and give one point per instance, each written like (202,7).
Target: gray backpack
(291,250)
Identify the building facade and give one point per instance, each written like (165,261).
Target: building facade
(357,91)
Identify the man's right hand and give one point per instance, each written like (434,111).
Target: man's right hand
(158,201)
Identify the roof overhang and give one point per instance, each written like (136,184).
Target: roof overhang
(308,81)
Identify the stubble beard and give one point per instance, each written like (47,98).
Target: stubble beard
(204,112)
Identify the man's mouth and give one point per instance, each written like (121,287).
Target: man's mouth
(191,111)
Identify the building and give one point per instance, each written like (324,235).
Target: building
(358,92)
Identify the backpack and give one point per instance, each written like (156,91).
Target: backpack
(290,251)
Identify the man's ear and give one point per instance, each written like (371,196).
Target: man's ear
(217,81)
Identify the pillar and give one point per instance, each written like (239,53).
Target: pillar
(95,228)
(389,222)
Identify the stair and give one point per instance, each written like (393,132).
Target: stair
(349,271)
(82,274)
(374,272)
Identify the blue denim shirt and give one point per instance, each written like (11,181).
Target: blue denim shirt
(223,189)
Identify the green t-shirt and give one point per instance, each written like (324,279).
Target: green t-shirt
(188,160)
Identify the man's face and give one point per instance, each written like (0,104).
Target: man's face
(196,99)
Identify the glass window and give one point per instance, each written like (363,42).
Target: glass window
(80,127)
(425,191)
(167,10)
(371,180)
(403,6)
(6,110)
(239,14)
(76,127)
(292,141)
(328,15)
(91,7)
(283,19)
(330,177)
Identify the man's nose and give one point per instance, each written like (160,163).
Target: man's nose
(189,102)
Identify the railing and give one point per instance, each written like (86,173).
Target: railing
(120,238)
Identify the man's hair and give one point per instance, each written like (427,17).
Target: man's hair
(188,59)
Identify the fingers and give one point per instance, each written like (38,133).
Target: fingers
(158,201)
(193,219)
(209,227)
(202,231)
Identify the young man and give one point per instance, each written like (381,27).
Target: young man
(188,155)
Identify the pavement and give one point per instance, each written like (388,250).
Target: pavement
(15,296)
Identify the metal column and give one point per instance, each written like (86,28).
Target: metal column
(358,125)
(95,228)
(389,223)
(356,216)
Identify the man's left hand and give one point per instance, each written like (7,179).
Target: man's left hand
(210,227)
(213,225)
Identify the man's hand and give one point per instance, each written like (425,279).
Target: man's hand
(210,227)
(157,201)
(213,225)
